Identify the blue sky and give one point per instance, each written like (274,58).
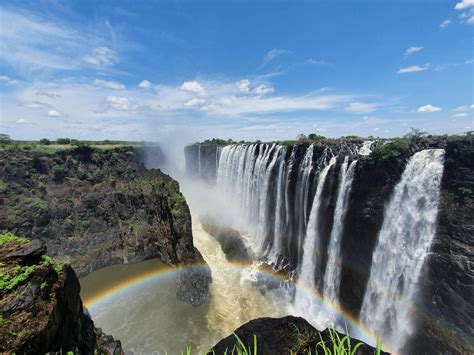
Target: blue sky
(265,70)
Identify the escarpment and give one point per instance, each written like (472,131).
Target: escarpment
(41,310)
(97,207)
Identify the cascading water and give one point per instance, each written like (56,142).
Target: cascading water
(365,149)
(332,276)
(404,241)
(311,250)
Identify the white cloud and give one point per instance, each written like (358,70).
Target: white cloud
(4,78)
(144,84)
(37,104)
(273,54)
(22,121)
(54,113)
(120,103)
(469,61)
(460,115)
(376,129)
(360,107)
(463,15)
(195,102)
(193,87)
(413,69)
(464,108)
(464,4)
(243,86)
(412,50)
(101,56)
(316,62)
(109,84)
(263,90)
(428,109)
(445,24)
(470,20)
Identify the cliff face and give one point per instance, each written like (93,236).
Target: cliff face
(41,310)
(94,208)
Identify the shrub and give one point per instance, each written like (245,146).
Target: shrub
(45,141)
(12,238)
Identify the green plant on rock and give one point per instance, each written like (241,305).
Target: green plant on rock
(47,261)
(9,280)
(11,238)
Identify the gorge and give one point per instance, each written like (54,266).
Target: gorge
(372,238)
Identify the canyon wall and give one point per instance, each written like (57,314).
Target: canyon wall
(97,207)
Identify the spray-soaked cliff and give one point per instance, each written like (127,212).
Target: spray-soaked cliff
(385,235)
(97,207)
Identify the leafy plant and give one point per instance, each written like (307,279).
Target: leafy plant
(12,238)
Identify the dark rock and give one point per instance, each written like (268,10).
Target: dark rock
(229,239)
(43,313)
(29,251)
(282,336)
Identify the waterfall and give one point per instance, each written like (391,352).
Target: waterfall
(332,277)
(365,149)
(301,199)
(311,250)
(404,241)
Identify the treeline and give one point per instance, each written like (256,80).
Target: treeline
(6,140)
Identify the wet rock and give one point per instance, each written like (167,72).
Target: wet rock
(283,336)
(229,239)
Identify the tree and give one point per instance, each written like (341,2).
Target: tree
(300,137)
(5,139)
(45,141)
(415,133)
(63,141)
(316,137)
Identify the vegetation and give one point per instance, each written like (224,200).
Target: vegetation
(11,238)
(47,261)
(10,279)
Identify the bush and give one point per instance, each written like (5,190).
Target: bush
(45,141)
(63,141)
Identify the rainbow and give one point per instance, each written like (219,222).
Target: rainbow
(101,298)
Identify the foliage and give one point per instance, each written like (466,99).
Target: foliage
(47,261)
(9,280)
(43,285)
(316,137)
(337,345)
(45,141)
(11,238)
(389,150)
(63,141)
(5,139)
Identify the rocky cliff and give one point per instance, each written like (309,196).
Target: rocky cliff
(41,310)
(98,207)
(281,336)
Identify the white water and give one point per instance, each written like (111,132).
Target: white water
(303,301)
(404,242)
(332,277)
(366,148)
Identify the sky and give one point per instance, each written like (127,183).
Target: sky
(269,70)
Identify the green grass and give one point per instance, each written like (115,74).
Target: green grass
(47,261)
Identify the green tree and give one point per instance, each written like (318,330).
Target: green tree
(45,141)
(5,139)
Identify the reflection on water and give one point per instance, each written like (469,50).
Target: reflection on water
(148,318)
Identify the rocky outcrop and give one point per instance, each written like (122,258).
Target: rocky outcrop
(287,335)
(41,310)
(94,208)
(229,239)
